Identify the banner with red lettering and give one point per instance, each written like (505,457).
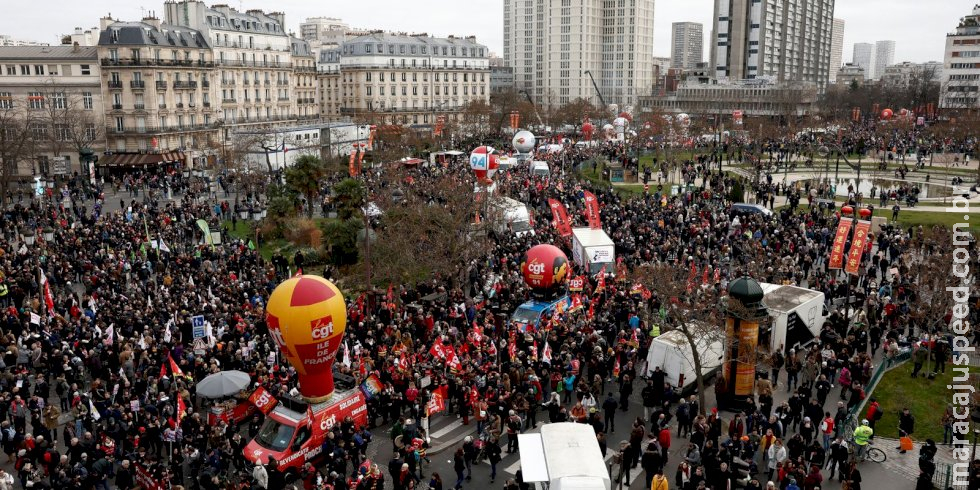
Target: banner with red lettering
(560,214)
(372,386)
(592,210)
(858,245)
(438,350)
(576,284)
(352,405)
(840,240)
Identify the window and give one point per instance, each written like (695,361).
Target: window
(62,132)
(11,70)
(35,100)
(25,69)
(90,134)
(369,87)
(367,76)
(39,131)
(6,101)
(39,69)
(86,70)
(52,69)
(59,101)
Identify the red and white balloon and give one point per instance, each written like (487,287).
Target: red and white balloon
(484,161)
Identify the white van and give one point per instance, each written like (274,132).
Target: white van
(509,216)
(671,352)
(540,168)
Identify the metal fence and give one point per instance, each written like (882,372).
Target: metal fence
(943,477)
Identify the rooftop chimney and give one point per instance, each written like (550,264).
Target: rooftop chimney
(105,22)
(152,20)
(75,48)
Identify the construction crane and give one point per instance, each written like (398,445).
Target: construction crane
(533,107)
(597,91)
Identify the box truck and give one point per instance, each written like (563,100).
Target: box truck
(592,249)
(671,352)
(563,456)
(797,315)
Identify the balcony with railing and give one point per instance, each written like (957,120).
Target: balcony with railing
(162,106)
(205,84)
(137,84)
(161,85)
(139,107)
(246,82)
(115,84)
(123,62)
(207,104)
(117,107)
(185,85)
(254,64)
(229,101)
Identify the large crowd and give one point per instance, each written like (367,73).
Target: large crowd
(87,392)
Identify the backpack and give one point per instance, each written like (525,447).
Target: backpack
(878,412)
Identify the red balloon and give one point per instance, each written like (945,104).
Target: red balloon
(847,210)
(887,114)
(865,213)
(544,267)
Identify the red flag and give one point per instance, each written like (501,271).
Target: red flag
(492,348)
(48,298)
(591,309)
(592,210)
(692,277)
(512,349)
(163,370)
(546,353)
(560,215)
(534,351)
(181,408)
(704,276)
(616,368)
(174,368)
(600,283)
(438,350)
(717,274)
(454,364)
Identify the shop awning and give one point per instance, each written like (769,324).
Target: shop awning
(140,159)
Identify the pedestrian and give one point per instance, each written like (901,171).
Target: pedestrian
(906,426)
(609,407)
(459,465)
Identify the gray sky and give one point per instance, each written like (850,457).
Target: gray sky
(918,26)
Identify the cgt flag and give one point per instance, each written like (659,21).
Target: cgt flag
(592,210)
(560,214)
(836,260)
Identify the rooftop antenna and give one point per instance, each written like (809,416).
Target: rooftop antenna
(142,13)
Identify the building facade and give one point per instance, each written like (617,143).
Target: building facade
(7,40)
(253,61)
(686,44)
(328,81)
(864,56)
(752,97)
(907,73)
(157,81)
(884,57)
(405,79)
(781,40)
(51,96)
(961,65)
(306,105)
(850,73)
(836,49)
(501,80)
(564,50)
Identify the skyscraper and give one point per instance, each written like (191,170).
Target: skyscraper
(864,56)
(961,75)
(554,47)
(836,49)
(784,40)
(884,57)
(686,45)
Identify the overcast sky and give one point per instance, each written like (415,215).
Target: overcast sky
(917,26)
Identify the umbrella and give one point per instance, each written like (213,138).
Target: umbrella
(225,383)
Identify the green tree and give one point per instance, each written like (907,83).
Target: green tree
(304,178)
(341,240)
(283,202)
(350,196)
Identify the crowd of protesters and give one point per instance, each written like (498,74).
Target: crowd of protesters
(93,316)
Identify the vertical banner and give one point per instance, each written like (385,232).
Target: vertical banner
(592,210)
(203,225)
(350,166)
(840,239)
(737,117)
(560,214)
(858,245)
(372,130)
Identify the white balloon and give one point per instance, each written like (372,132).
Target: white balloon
(523,141)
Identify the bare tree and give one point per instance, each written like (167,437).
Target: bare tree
(16,143)
(69,123)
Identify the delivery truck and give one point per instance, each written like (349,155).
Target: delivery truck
(509,216)
(293,431)
(798,315)
(563,456)
(592,249)
(671,352)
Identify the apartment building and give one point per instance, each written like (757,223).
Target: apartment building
(305,84)
(686,45)
(53,93)
(722,99)
(389,78)
(961,65)
(564,50)
(864,57)
(158,84)
(253,59)
(836,49)
(328,79)
(884,57)
(781,40)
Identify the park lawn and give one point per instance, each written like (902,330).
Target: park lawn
(927,219)
(926,399)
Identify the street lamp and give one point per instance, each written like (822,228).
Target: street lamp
(29,238)
(48,234)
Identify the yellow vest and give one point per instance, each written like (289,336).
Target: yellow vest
(655,331)
(3,290)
